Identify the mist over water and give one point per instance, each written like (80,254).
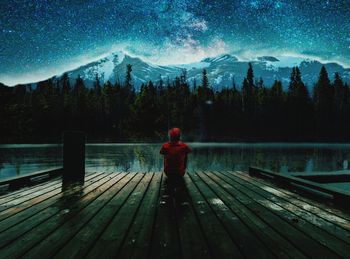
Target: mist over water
(18,160)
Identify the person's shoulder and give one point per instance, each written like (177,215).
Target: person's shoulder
(164,149)
(185,146)
(166,145)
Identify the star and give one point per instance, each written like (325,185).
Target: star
(40,39)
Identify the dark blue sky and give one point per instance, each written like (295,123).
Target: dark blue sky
(41,38)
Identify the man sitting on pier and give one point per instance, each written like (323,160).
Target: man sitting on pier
(175,155)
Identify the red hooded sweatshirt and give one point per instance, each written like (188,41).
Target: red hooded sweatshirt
(175,154)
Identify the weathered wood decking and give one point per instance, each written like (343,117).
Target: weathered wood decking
(142,215)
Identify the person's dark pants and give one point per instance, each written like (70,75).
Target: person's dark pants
(174,179)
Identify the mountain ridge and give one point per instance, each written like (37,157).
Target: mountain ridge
(222,70)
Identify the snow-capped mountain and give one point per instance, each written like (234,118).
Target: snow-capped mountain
(222,70)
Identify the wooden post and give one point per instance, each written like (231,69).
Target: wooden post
(73,157)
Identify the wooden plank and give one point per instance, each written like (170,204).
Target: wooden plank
(165,242)
(341,197)
(14,227)
(286,228)
(248,243)
(23,192)
(37,241)
(16,218)
(39,187)
(28,204)
(49,246)
(11,204)
(105,231)
(326,233)
(71,227)
(19,181)
(32,187)
(326,178)
(219,241)
(309,205)
(210,215)
(192,239)
(274,241)
(138,239)
(317,207)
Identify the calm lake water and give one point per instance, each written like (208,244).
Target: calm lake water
(23,159)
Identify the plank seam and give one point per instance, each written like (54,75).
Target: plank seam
(289,210)
(48,218)
(48,234)
(216,216)
(105,204)
(273,212)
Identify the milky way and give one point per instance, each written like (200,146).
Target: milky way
(43,38)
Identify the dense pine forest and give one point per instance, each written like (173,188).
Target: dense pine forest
(117,113)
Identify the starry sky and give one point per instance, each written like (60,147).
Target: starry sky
(39,39)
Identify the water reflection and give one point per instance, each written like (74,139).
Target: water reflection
(23,159)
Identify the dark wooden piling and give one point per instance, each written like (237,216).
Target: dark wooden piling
(73,157)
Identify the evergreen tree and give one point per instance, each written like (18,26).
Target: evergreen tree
(127,98)
(108,97)
(297,91)
(160,86)
(168,84)
(65,84)
(194,84)
(205,100)
(183,77)
(97,85)
(341,106)
(323,92)
(117,112)
(205,81)
(340,93)
(323,103)
(234,87)
(128,77)
(250,75)
(260,83)
(66,101)
(298,106)
(276,91)
(79,104)
(276,112)
(248,98)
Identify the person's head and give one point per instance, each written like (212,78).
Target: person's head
(174,134)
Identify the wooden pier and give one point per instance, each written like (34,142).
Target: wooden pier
(142,215)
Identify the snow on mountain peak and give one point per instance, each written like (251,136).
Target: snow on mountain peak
(103,67)
(268,58)
(117,57)
(221,69)
(225,57)
(290,61)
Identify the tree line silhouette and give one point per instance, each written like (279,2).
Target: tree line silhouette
(116,112)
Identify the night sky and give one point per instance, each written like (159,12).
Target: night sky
(39,39)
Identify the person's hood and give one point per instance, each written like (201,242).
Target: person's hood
(174,133)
